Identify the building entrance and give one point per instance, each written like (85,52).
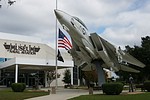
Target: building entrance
(30,79)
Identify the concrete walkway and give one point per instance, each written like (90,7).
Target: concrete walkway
(64,94)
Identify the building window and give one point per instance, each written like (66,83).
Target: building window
(4,59)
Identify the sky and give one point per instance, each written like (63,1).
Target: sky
(121,22)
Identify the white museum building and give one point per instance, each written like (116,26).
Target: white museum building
(23,57)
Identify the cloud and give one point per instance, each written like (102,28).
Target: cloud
(123,22)
(128,28)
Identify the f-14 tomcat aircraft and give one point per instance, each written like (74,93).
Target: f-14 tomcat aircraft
(91,52)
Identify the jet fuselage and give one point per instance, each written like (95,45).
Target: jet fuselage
(88,48)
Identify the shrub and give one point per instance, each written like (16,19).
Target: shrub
(112,88)
(147,85)
(18,87)
(70,86)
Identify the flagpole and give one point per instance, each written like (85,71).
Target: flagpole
(56,52)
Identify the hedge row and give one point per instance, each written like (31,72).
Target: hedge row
(18,87)
(112,88)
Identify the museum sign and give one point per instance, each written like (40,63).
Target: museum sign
(21,49)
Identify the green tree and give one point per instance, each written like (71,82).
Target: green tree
(67,77)
(51,75)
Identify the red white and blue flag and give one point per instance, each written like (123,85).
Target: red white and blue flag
(63,41)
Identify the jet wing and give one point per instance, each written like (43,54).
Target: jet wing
(125,56)
(130,59)
(128,69)
(112,54)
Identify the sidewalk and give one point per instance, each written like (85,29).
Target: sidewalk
(64,94)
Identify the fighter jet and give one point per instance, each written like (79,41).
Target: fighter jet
(91,52)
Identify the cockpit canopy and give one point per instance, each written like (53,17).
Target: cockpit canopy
(80,21)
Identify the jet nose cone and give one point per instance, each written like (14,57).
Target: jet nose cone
(58,14)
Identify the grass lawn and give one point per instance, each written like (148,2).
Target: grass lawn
(9,95)
(143,96)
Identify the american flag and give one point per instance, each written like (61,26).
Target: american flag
(63,41)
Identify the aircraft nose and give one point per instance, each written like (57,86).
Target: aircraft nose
(58,14)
